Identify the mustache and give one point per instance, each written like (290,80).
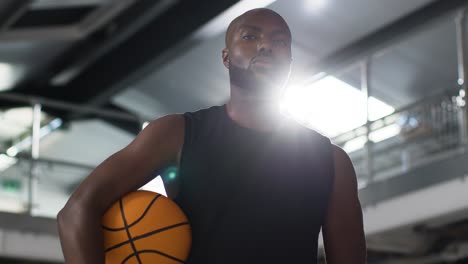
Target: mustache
(264,55)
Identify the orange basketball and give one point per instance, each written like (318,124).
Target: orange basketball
(146,227)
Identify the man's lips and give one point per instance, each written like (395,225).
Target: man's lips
(264,62)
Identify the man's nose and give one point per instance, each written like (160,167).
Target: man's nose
(265,45)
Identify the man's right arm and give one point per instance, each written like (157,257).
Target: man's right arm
(79,222)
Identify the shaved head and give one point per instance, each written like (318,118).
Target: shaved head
(234,25)
(258,53)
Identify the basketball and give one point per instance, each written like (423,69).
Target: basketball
(146,227)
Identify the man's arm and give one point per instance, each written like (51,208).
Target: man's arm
(79,222)
(343,232)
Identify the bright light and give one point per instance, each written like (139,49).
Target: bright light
(172,175)
(144,125)
(7,76)
(51,127)
(43,132)
(384,133)
(11,204)
(6,162)
(156,185)
(362,183)
(355,144)
(331,106)
(315,5)
(12,151)
(16,121)
(375,136)
(220,23)
(21,116)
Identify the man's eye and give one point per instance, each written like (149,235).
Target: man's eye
(280,42)
(249,37)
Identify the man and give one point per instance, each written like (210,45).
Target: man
(256,187)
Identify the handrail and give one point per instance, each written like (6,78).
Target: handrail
(54,162)
(424,101)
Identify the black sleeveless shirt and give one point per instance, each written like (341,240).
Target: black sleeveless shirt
(251,196)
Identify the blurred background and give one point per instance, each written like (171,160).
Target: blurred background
(385,79)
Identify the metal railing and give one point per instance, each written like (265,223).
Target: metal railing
(423,131)
(29,181)
(407,138)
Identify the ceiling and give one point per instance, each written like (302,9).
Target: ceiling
(421,65)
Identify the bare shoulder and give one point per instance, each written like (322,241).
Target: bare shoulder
(344,169)
(163,139)
(167,131)
(166,124)
(345,179)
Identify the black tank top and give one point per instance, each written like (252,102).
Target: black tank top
(251,196)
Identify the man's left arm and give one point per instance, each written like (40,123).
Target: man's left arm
(343,232)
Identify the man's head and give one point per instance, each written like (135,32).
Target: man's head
(258,52)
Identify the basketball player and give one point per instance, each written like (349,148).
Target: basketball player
(256,187)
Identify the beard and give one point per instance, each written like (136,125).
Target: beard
(259,83)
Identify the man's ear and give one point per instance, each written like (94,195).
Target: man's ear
(225,55)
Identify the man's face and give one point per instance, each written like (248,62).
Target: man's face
(258,52)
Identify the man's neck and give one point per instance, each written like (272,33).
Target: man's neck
(252,112)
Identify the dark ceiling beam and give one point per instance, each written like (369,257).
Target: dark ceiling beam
(14,9)
(388,36)
(84,52)
(67,111)
(112,35)
(150,42)
(131,126)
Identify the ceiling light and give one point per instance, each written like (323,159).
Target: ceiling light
(21,116)
(355,144)
(11,205)
(331,106)
(43,132)
(385,133)
(315,5)
(12,151)
(7,76)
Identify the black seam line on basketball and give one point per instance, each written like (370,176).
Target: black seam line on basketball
(138,220)
(146,235)
(128,231)
(153,251)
